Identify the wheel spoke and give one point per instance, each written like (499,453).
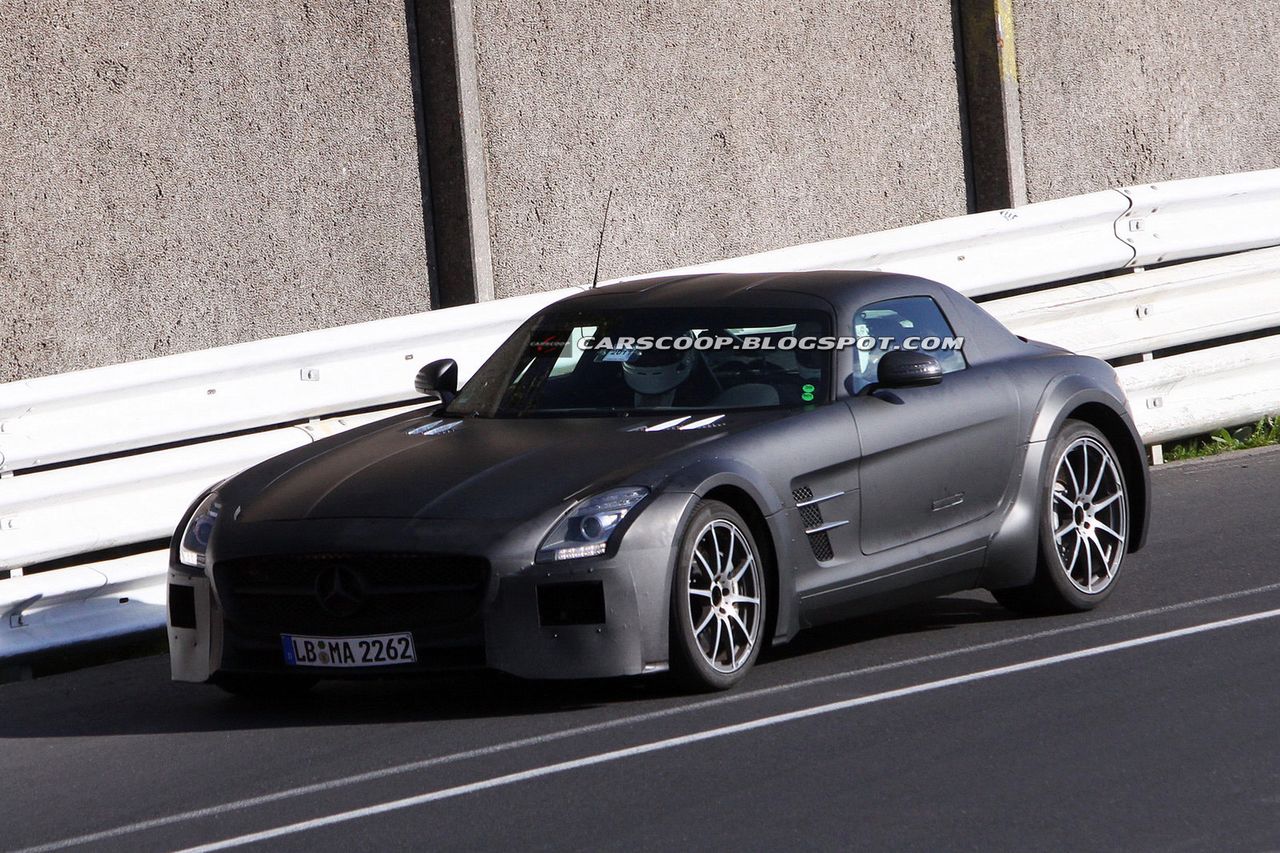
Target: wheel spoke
(733,647)
(1066,528)
(1075,555)
(1071,472)
(715,652)
(706,567)
(715,547)
(746,564)
(736,617)
(1102,471)
(1084,474)
(741,599)
(728,558)
(1107,530)
(1106,502)
(702,593)
(1106,561)
(697,632)
(1088,559)
(1062,496)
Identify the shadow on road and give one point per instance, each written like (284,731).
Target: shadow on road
(135,697)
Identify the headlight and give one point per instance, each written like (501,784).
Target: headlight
(195,538)
(585,531)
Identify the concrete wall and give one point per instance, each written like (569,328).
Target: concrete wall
(175,176)
(1119,92)
(724,126)
(180,176)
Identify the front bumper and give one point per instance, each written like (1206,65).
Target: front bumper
(592,618)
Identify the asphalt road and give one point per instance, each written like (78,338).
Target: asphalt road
(1149,724)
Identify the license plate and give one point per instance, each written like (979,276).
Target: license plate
(379,650)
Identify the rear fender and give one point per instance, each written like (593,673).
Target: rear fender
(1013,552)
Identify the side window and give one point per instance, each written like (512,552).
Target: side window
(913,322)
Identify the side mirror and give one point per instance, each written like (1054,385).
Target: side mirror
(439,378)
(901,368)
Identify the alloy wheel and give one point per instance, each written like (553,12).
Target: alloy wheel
(1089,514)
(724,596)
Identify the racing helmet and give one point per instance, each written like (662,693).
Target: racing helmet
(657,371)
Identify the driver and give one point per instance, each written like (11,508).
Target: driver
(655,374)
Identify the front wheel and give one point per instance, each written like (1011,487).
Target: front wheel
(1084,526)
(718,602)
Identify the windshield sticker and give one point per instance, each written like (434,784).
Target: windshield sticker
(619,355)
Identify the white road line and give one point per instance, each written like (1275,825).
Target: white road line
(722,731)
(550,737)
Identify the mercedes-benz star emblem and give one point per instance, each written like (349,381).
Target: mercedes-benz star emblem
(339,591)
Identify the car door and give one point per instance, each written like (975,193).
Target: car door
(933,457)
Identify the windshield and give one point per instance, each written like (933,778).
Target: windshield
(652,360)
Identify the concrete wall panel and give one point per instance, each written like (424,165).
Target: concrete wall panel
(724,126)
(175,176)
(1119,92)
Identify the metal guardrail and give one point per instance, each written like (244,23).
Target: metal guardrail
(121,501)
(245,386)
(1198,391)
(277,389)
(99,601)
(1153,310)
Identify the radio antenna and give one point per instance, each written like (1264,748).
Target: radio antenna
(595,279)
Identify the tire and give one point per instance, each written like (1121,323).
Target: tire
(1084,526)
(718,600)
(262,687)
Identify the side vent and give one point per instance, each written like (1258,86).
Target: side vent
(814,526)
(811,517)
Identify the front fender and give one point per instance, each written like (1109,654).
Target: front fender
(702,479)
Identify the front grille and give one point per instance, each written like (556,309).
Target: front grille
(424,593)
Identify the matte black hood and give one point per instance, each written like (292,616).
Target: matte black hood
(476,468)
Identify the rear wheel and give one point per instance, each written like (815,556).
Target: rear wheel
(718,602)
(1084,526)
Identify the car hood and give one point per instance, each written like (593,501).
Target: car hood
(474,468)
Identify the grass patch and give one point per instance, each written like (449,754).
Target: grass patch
(1264,432)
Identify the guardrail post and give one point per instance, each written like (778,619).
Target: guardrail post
(454,197)
(992,103)
(1157,450)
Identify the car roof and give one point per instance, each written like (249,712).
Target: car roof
(845,291)
(842,289)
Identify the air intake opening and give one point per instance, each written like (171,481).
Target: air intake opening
(577,603)
(182,606)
